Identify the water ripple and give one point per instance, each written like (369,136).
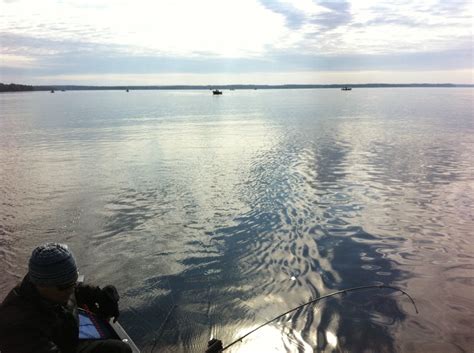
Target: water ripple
(213,216)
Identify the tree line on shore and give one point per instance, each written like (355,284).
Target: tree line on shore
(13,87)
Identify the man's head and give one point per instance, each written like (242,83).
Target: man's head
(52,269)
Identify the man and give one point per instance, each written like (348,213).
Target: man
(40,314)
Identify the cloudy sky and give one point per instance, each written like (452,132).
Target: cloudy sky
(235,41)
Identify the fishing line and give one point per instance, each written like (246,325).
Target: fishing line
(210,323)
(261,318)
(321,298)
(160,330)
(165,321)
(284,326)
(209,287)
(157,336)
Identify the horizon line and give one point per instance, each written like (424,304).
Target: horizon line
(251,84)
(14,87)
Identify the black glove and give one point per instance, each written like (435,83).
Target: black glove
(214,346)
(108,302)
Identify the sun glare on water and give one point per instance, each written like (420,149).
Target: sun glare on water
(270,339)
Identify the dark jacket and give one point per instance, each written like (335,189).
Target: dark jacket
(31,324)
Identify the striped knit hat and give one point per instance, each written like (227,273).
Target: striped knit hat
(52,264)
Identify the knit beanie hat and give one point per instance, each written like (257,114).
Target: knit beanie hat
(52,264)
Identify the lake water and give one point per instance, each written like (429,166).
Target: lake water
(213,214)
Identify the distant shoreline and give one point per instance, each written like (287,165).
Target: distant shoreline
(28,88)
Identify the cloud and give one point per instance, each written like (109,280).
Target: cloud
(434,15)
(28,45)
(452,8)
(381,20)
(435,60)
(176,27)
(294,17)
(91,58)
(325,14)
(74,37)
(16,61)
(338,15)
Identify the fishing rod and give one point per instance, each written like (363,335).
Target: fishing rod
(353,289)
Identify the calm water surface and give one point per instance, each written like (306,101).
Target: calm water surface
(214,214)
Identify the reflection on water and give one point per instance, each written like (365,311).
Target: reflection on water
(213,215)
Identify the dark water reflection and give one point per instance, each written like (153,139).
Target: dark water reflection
(213,215)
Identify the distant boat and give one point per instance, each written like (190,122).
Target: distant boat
(345,88)
(127,90)
(52,91)
(216,92)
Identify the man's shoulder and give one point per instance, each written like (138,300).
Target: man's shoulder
(10,300)
(16,309)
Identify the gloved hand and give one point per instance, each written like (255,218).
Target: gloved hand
(214,346)
(108,299)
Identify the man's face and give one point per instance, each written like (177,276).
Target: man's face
(57,294)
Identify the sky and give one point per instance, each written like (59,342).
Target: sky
(167,42)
